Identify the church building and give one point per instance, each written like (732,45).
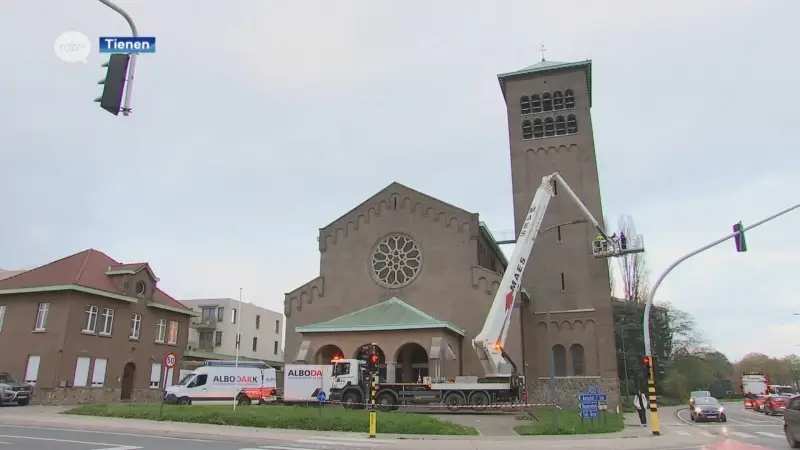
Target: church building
(417,275)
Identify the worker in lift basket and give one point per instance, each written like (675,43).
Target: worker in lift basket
(598,242)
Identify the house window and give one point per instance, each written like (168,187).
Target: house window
(561,126)
(155,375)
(108,321)
(2,316)
(32,369)
(258,322)
(255,343)
(549,127)
(161,330)
(538,129)
(81,378)
(233,315)
(220,314)
(560,360)
(218,339)
(525,104)
(572,124)
(207,314)
(547,102)
(536,103)
(569,99)
(275,348)
(277,326)
(558,100)
(99,372)
(91,319)
(578,357)
(172,336)
(136,326)
(41,316)
(527,130)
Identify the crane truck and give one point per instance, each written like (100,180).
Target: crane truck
(353,380)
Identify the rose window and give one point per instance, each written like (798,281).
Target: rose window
(396,261)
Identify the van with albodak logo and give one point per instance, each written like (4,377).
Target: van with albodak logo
(302,383)
(223,381)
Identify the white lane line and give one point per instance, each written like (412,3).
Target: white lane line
(327,442)
(772,435)
(740,434)
(354,439)
(110,433)
(683,433)
(278,447)
(704,433)
(105,444)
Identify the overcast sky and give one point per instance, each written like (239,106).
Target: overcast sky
(257,122)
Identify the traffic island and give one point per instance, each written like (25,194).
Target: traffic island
(283,417)
(568,421)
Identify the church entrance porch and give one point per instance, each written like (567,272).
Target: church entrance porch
(412,363)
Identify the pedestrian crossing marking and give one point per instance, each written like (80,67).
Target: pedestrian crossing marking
(704,433)
(683,433)
(772,435)
(740,434)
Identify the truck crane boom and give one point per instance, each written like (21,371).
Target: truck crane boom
(489,343)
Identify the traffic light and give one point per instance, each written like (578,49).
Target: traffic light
(647,361)
(741,243)
(372,361)
(114,83)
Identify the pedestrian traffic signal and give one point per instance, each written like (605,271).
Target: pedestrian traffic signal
(741,243)
(647,362)
(114,83)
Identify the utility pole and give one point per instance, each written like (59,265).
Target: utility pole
(126,108)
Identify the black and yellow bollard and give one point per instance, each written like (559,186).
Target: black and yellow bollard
(373,414)
(651,388)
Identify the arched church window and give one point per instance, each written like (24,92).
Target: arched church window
(560,360)
(547,102)
(525,104)
(569,98)
(578,356)
(536,103)
(572,124)
(549,127)
(561,126)
(558,100)
(527,130)
(538,129)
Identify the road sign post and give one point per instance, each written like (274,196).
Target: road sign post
(169,363)
(589,403)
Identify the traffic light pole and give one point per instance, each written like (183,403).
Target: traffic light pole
(126,108)
(648,351)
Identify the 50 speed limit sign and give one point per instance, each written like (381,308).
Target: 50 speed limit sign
(170,359)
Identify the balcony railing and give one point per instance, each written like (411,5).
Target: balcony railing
(200,346)
(204,322)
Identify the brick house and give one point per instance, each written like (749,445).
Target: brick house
(416,275)
(86,328)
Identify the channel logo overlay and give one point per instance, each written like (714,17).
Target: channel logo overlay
(126,44)
(72,46)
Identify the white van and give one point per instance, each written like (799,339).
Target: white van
(222,381)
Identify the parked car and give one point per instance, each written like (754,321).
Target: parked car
(13,391)
(758,403)
(698,394)
(791,422)
(775,405)
(708,408)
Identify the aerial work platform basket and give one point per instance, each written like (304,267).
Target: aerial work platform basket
(614,246)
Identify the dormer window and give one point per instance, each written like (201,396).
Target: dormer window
(141,288)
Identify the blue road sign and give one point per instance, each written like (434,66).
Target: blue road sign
(321,397)
(590,406)
(587,398)
(602,397)
(590,414)
(593,390)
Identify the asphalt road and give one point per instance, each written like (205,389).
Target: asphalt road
(14,437)
(743,425)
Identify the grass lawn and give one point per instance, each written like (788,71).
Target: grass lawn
(569,422)
(287,417)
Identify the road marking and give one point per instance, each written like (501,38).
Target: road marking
(363,443)
(683,433)
(772,435)
(355,439)
(705,433)
(110,433)
(740,434)
(105,444)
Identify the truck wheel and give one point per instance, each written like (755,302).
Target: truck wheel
(479,400)
(244,400)
(184,401)
(386,401)
(351,400)
(454,401)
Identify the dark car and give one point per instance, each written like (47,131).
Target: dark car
(791,422)
(708,408)
(13,391)
(775,405)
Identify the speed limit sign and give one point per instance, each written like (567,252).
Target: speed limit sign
(170,359)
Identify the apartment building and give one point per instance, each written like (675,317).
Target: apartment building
(87,329)
(212,335)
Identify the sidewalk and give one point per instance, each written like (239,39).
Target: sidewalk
(636,438)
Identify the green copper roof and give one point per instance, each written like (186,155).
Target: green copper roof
(550,66)
(393,314)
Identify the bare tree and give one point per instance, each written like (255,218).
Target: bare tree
(633,266)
